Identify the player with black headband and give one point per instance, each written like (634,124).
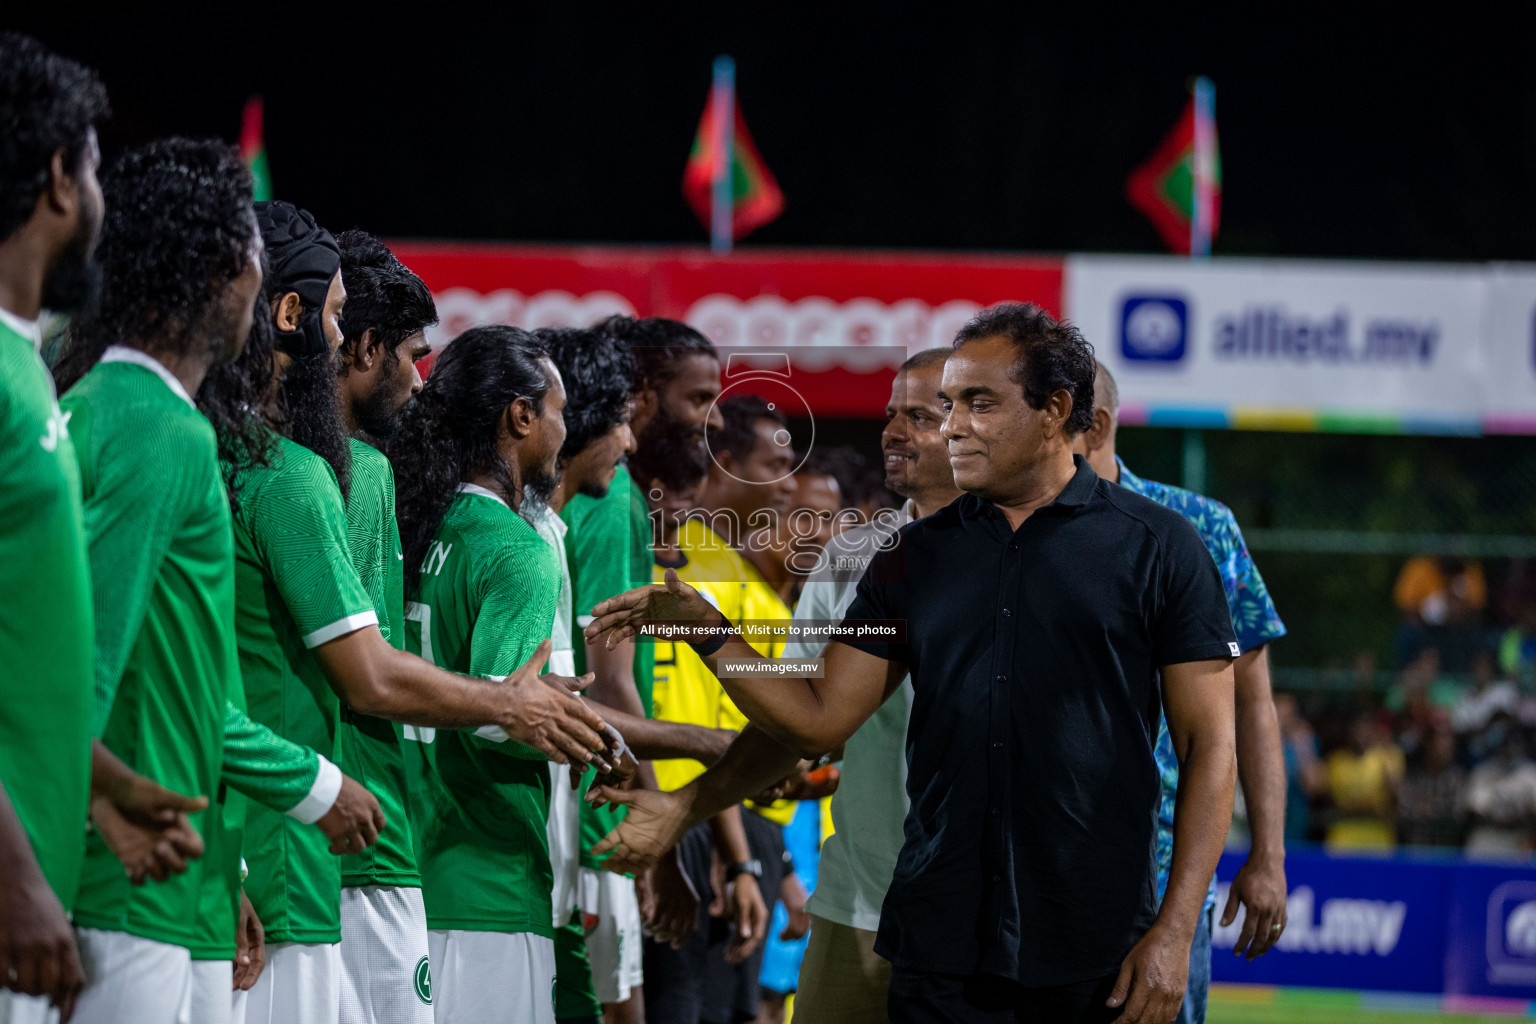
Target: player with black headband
(309,636)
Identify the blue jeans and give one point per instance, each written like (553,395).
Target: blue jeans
(1198,989)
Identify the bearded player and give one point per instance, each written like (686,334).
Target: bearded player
(309,636)
(50,212)
(474,456)
(385,977)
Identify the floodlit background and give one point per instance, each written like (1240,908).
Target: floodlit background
(1352,370)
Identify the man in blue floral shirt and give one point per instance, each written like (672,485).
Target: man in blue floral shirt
(1260,884)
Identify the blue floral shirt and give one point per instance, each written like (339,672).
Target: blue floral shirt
(1254,620)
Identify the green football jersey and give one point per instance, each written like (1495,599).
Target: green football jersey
(261,766)
(45,616)
(487,599)
(608,549)
(162,569)
(368,748)
(295,589)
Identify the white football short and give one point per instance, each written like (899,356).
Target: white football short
(384,974)
(614,942)
(300,985)
(492,977)
(16,1008)
(132,978)
(564,832)
(213,992)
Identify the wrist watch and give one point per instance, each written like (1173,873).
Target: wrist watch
(744,867)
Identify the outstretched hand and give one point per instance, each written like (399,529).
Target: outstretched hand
(655,823)
(621,617)
(545,713)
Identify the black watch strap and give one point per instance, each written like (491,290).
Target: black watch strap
(744,867)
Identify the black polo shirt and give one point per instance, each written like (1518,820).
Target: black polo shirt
(1030,847)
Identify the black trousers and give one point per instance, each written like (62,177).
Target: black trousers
(694,984)
(919,997)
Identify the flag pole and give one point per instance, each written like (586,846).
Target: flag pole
(724,130)
(1204,169)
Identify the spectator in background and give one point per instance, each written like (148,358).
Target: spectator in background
(1363,776)
(1501,793)
(1490,695)
(1442,600)
(1517,647)
(1306,776)
(1431,803)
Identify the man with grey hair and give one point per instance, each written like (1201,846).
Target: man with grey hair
(1260,884)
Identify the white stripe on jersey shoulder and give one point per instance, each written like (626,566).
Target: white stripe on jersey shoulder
(341,627)
(484,493)
(124,354)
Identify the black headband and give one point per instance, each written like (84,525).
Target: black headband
(304,257)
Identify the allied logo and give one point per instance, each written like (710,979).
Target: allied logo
(423,981)
(1154,328)
(1511,942)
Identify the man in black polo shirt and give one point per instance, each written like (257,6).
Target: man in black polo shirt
(1041,611)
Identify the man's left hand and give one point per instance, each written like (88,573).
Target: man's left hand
(147,831)
(1260,889)
(1152,978)
(749,914)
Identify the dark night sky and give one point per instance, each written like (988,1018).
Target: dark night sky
(1395,135)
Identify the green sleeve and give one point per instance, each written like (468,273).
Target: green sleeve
(517,593)
(132,513)
(302,537)
(597,547)
(264,766)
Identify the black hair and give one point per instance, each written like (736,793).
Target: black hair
(598,374)
(673,456)
(236,396)
(926,358)
(178,229)
(741,413)
(842,463)
(657,345)
(1053,356)
(448,431)
(47,103)
(382,293)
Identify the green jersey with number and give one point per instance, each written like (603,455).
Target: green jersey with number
(608,548)
(489,585)
(45,618)
(368,748)
(295,589)
(162,570)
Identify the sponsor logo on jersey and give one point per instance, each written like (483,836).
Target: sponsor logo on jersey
(58,427)
(424,981)
(1154,328)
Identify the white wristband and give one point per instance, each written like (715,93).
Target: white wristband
(322,795)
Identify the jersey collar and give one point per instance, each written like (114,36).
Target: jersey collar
(484,493)
(124,354)
(29,329)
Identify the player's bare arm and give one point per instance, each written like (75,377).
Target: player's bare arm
(810,716)
(37,945)
(1198,703)
(1259,886)
(376,679)
(145,825)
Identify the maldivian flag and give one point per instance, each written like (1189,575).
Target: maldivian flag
(1163,188)
(755,196)
(253,149)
